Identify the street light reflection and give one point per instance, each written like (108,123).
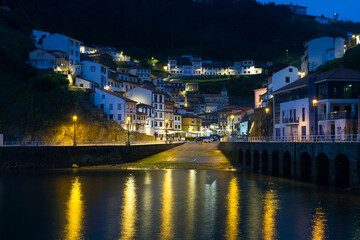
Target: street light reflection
(166,213)
(271,206)
(75,212)
(319,224)
(129,209)
(233,207)
(190,211)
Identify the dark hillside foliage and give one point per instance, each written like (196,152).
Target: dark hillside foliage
(221,30)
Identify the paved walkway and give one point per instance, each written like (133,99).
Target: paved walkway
(188,155)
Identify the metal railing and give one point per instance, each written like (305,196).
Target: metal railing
(309,138)
(82,143)
(336,115)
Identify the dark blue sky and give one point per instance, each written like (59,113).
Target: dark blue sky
(348,9)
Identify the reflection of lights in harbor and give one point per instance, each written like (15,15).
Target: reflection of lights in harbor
(190,211)
(129,210)
(233,206)
(166,213)
(147,206)
(319,224)
(271,205)
(210,208)
(75,211)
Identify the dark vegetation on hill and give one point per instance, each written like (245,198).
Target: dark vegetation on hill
(350,60)
(221,30)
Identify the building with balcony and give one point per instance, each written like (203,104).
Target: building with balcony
(322,103)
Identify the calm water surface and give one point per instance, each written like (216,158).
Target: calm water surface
(171,204)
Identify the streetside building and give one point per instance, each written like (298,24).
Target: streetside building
(149,111)
(323,103)
(115,107)
(191,123)
(155,99)
(169,114)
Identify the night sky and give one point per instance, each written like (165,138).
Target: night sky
(348,9)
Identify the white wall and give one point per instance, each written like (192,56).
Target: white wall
(92,71)
(279,78)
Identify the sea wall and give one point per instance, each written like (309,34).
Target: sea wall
(66,156)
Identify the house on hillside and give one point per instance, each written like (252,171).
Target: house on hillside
(142,73)
(320,51)
(49,60)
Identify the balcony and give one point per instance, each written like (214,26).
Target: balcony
(336,115)
(291,120)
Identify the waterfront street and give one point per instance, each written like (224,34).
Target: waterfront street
(189,155)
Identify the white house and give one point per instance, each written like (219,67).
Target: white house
(117,55)
(63,43)
(320,51)
(85,83)
(116,107)
(301,10)
(142,73)
(185,65)
(51,60)
(95,72)
(153,98)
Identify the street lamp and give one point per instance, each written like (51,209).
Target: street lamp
(128,122)
(74,121)
(232,127)
(287,54)
(166,125)
(315,102)
(267,110)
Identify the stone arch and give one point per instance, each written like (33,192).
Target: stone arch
(248,158)
(287,165)
(342,171)
(305,167)
(264,162)
(275,163)
(322,168)
(256,160)
(241,156)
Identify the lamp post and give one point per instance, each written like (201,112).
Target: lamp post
(232,126)
(166,125)
(128,123)
(74,121)
(287,54)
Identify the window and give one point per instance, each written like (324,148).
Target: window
(303,114)
(160,98)
(76,53)
(155,98)
(160,124)
(71,43)
(119,117)
(103,96)
(119,106)
(160,115)
(71,52)
(287,79)
(92,69)
(71,61)
(111,106)
(155,124)
(290,70)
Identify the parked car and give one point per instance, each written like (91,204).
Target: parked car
(208,139)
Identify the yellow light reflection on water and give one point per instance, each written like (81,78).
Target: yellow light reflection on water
(75,212)
(129,209)
(319,224)
(271,206)
(191,198)
(233,207)
(166,213)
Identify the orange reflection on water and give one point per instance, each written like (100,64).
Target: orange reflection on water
(271,206)
(233,207)
(319,224)
(166,213)
(129,210)
(75,212)
(191,198)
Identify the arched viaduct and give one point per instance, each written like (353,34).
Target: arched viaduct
(335,164)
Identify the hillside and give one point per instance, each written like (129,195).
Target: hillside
(38,106)
(221,30)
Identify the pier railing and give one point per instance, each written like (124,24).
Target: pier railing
(309,138)
(84,143)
